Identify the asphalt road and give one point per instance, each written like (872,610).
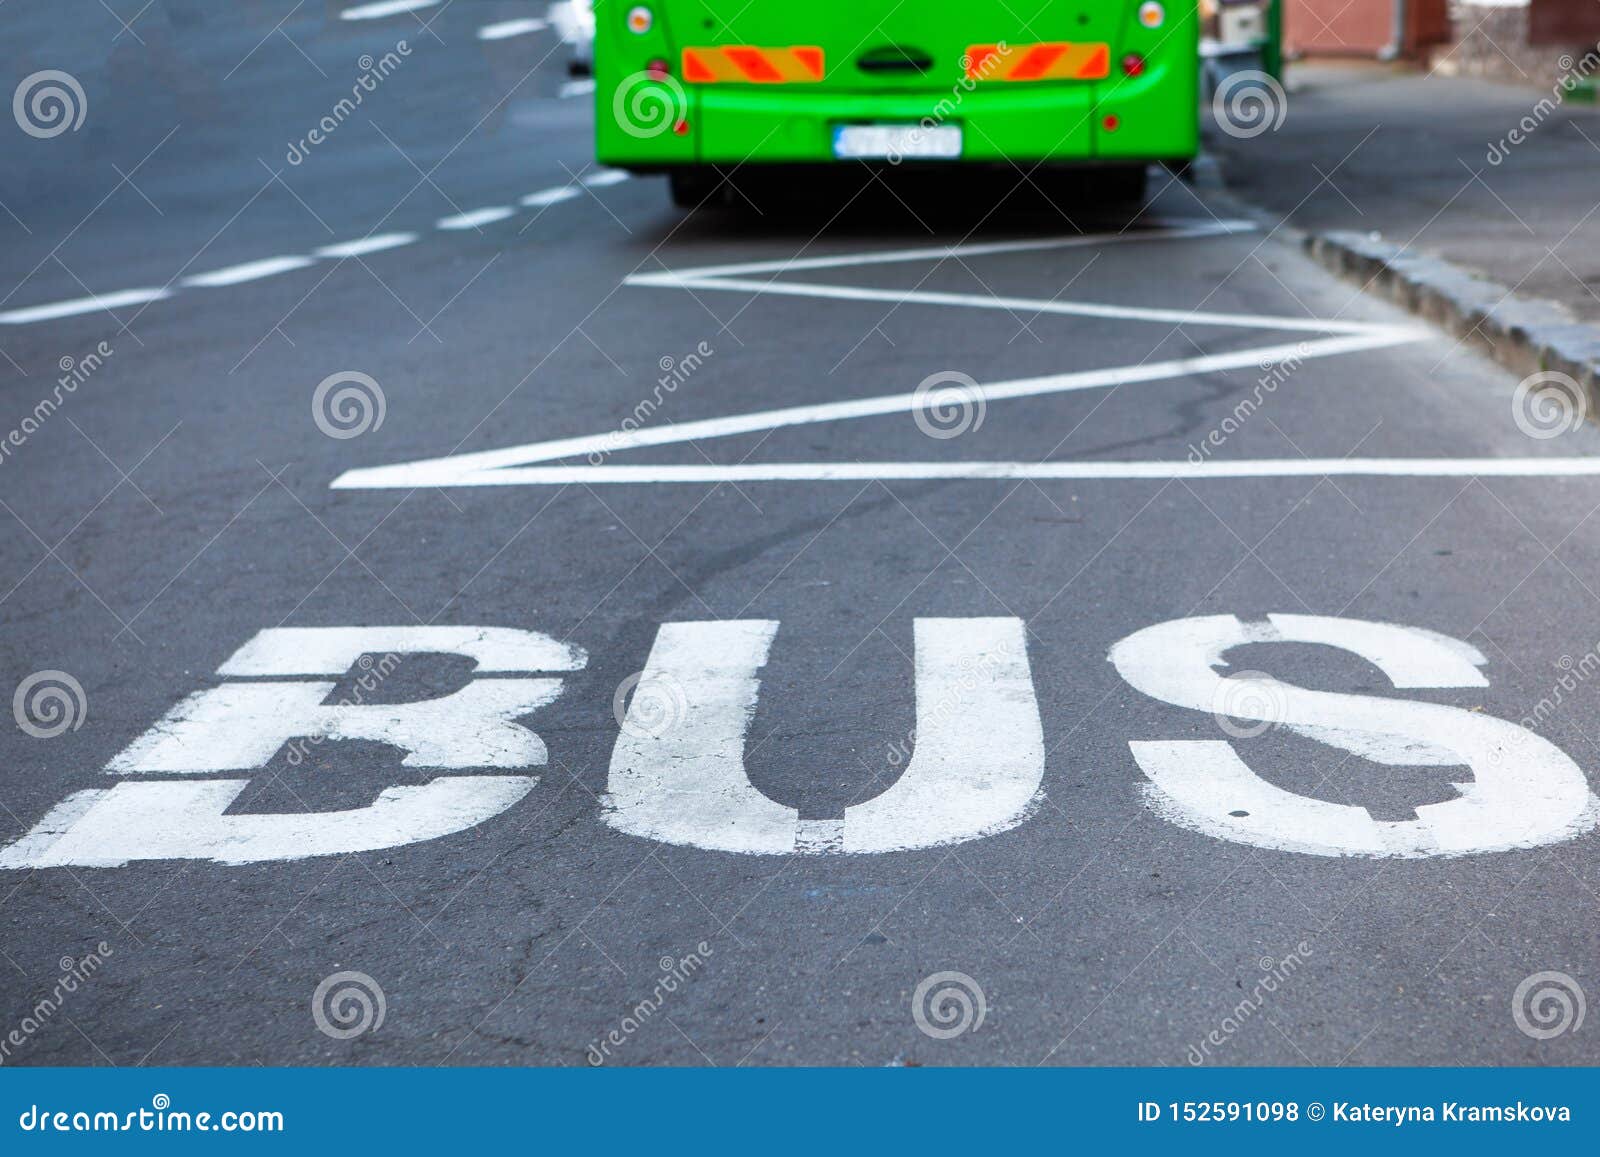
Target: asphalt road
(181,498)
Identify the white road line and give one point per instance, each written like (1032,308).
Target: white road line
(249,271)
(267,267)
(577,88)
(549,196)
(391,478)
(79,305)
(474,218)
(1160,230)
(506,29)
(364,245)
(466,469)
(382,8)
(600,178)
(1023,305)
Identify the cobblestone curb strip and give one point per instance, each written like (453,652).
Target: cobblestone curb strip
(1525,336)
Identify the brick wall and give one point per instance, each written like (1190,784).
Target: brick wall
(1492,41)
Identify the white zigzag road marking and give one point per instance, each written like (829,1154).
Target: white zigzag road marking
(527,465)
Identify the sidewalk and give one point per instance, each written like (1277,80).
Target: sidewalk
(1408,156)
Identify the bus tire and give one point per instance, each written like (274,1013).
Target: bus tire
(695,187)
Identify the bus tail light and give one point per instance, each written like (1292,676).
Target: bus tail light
(1132,64)
(658,69)
(640,20)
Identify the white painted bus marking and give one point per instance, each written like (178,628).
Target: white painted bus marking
(1524,791)
(976,768)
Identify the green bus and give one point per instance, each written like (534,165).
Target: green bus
(694,89)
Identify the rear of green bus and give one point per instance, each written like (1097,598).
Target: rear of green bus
(690,87)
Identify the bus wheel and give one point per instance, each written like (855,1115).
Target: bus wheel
(697,187)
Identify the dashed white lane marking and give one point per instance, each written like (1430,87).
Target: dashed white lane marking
(249,271)
(254,270)
(78,305)
(506,29)
(577,88)
(474,218)
(383,8)
(365,245)
(600,178)
(549,197)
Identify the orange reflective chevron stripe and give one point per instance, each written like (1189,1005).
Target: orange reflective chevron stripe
(744,64)
(1053,61)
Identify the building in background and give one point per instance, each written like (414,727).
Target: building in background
(1382,29)
(1516,40)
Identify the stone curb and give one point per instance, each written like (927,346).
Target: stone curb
(1525,336)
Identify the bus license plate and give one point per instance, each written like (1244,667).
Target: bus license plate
(894,142)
